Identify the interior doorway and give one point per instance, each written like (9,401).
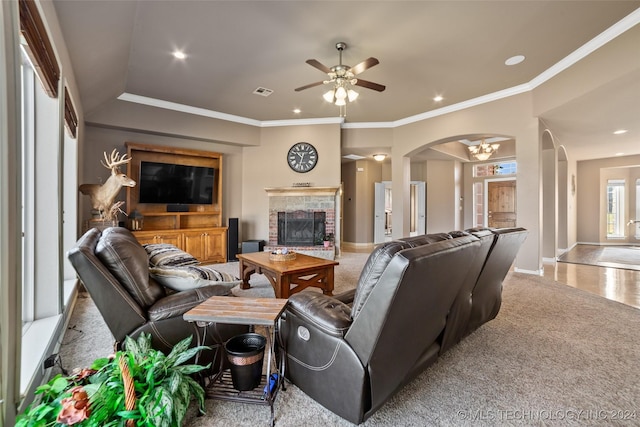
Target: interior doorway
(501,203)
(383,212)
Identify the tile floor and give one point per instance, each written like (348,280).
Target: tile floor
(612,283)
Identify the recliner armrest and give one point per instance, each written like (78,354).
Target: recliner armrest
(322,311)
(180,302)
(346,297)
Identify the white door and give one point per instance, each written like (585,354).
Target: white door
(379,216)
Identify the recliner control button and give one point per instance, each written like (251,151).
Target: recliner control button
(303,333)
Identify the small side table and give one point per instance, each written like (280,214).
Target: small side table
(264,312)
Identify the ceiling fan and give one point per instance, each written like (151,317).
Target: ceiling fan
(343,76)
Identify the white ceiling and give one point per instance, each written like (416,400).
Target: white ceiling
(455,49)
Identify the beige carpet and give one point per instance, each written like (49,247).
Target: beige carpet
(554,355)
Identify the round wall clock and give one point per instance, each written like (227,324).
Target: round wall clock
(302,157)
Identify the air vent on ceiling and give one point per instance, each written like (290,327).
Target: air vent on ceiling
(262,91)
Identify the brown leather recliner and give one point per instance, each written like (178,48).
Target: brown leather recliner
(352,352)
(114,268)
(480,297)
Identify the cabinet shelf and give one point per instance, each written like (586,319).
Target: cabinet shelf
(180,220)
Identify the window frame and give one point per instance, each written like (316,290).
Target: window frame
(615,209)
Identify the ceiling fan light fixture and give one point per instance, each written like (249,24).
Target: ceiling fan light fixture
(343,78)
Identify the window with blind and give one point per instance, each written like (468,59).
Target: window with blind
(70,117)
(38,47)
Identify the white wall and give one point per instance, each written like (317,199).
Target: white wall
(442,202)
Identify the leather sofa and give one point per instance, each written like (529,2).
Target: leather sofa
(114,269)
(415,298)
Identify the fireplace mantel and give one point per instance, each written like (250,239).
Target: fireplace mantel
(302,191)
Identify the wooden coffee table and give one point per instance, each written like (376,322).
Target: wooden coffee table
(288,277)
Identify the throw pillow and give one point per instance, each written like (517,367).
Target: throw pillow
(166,254)
(192,276)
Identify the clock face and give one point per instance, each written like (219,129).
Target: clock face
(302,157)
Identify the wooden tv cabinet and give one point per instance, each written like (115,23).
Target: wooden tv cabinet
(206,244)
(198,231)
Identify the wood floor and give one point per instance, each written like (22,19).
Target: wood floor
(617,284)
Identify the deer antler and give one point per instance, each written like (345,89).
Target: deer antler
(115,160)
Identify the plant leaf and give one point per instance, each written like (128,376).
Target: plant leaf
(58,385)
(100,363)
(179,348)
(197,391)
(187,354)
(190,369)
(132,347)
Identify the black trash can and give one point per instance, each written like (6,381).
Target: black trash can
(245,353)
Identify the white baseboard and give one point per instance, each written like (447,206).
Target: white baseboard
(533,272)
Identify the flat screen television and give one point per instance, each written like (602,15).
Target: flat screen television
(175,184)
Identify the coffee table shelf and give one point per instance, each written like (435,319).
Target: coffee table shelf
(224,390)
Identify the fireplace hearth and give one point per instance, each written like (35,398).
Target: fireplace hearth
(301,228)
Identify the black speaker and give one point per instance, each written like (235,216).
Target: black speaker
(177,208)
(232,240)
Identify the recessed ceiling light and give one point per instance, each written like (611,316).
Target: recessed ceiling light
(179,54)
(438,98)
(353,157)
(620,132)
(619,154)
(297,110)
(514,60)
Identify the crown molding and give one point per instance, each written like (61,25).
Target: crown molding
(167,105)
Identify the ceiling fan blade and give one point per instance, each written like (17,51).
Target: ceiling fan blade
(308,86)
(370,85)
(318,65)
(367,63)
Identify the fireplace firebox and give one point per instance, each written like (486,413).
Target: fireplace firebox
(301,228)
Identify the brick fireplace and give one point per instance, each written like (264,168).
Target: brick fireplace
(299,218)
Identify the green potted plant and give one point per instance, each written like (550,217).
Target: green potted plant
(138,386)
(328,239)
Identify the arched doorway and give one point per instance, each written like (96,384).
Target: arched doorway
(454,190)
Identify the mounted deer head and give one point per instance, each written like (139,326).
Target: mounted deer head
(103,195)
